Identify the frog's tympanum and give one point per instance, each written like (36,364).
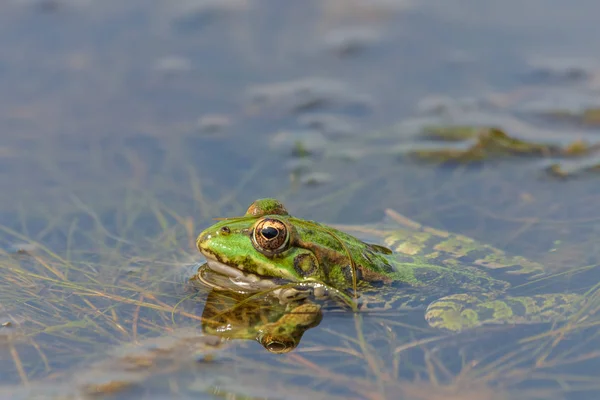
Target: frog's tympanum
(460,282)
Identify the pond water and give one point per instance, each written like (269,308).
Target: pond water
(127,127)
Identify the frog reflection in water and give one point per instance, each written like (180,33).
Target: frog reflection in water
(277,327)
(459,282)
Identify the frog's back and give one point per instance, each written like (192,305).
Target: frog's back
(441,247)
(444,248)
(445,261)
(438,264)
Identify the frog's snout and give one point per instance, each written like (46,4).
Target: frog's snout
(206,237)
(203,238)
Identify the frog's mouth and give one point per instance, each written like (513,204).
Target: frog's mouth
(220,275)
(242,280)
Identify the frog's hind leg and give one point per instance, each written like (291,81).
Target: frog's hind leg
(461,311)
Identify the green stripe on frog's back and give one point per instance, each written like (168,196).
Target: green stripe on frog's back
(440,247)
(373,262)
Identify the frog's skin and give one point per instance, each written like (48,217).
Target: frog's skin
(462,283)
(277,327)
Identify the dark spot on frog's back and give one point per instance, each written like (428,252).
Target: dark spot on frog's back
(305,264)
(368,275)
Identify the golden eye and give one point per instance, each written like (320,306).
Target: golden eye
(270,236)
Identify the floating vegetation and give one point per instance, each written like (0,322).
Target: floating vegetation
(307,95)
(316,178)
(560,172)
(450,133)
(331,125)
(549,70)
(492,143)
(303,143)
(348,42)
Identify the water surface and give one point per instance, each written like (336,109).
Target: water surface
(129,126)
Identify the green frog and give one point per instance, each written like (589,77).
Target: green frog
(460,282)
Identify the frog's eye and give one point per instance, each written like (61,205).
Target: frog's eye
(270,236)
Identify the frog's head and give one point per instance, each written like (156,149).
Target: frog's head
(268,244)
(262,244)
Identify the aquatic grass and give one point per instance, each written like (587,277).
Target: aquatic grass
(135,301)
(48,290)
(432,380)
(102,274)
